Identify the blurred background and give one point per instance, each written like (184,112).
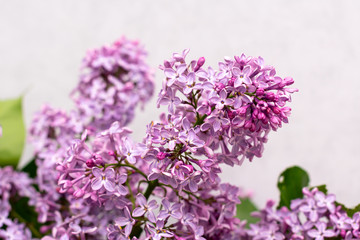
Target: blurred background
(316,42)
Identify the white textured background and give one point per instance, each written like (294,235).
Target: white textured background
(316,42)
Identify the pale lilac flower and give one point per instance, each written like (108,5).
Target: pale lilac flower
(326,201)
(242,76)
(170,210)
(170,99)
(174,75)
(145,207)
(221,100)
(158,232)
(321,232)
(198,233)
(120,189)
(103,179)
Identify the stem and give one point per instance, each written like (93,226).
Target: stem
(33,230)
(152,185)
(200,120)
(132,199)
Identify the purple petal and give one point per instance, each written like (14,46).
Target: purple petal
(170,73)
(139,211)
(181,68)
(177,215)
(152,204)
(237,83)
(223,94)
(96,184)
(216,126)
(140,200)
(110,186)
(122,178)
(151,216)
(166,203)
(122,190)
(97,172)
(163,214)
(193,186)
(109,173)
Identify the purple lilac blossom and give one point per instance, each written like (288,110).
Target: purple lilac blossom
(322,222)
(114,80)
(236,106)
(128,80)
(168,186)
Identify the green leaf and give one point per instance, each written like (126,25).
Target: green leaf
(26,214)
(13,138)
(350,211)
(30,168)
(244,210)
(291,183)
(321,188)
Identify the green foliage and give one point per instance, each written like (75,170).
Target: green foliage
(26,214)
(321,188)
(350,211)
(12,141)
(30,168)
(291,183)
(244,210)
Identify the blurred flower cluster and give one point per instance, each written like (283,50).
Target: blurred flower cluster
(113,81)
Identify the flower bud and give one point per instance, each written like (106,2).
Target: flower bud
(199,64)
(260,92)
(90,163)
(161,155)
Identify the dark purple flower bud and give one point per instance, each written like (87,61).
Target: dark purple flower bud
(261,116)
(260,92)
(112,153)
(242,110)
(167,64)
(270,96)
(247,124)
(98,159)
(161,155)
(262,105)
(199,64)
(231,114)
(90,163)
(190,168)
(231,81)
(276,110)
(219,86)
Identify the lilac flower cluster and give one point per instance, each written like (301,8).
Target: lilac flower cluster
(53,131)
(114,80)
(315,216)
(110,172)
(231,110)
(179,159)
(14,186)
